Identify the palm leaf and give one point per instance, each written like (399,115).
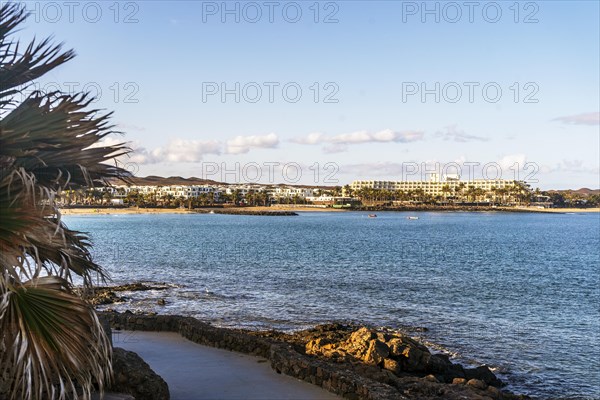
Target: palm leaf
(59,334)
(32,232)
(50,136)
(51,342)
(18,68)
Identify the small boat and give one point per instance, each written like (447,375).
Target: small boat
(412,217)
(372,215)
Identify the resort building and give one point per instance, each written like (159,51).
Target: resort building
(435,187)
(449,189)
(289,192)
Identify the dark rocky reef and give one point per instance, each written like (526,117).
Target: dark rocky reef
(108,294)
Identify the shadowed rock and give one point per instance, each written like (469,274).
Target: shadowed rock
(133,376)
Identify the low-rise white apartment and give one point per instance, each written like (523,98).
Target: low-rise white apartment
(291,191)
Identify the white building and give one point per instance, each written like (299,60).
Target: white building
(291,192)
(193,191)
(434,187)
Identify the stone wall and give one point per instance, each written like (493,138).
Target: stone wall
(283,358)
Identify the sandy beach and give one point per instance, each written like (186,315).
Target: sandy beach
(559,210)
(282,207)
(131,210)
(135,210)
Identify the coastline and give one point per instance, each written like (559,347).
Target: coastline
(560,210)
(353,361)
(122,210)
(288,209)
(226,210)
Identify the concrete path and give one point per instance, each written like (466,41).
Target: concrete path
(196,372)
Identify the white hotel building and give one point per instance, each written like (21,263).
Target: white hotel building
(434,186)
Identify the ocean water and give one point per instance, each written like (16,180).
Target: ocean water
(518,292)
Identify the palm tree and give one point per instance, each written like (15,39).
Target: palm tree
(471,193)
(478,194)
(52,343)
(106,197)
(346,191)
(458,191)
(446,190)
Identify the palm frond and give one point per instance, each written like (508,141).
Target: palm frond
(59,335)
(50,136)
(30,232)
(51,343)
(16,68)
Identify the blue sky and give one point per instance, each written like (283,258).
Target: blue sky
(161,66)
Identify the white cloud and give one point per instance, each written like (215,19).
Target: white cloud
(339,143)
(452,132)
(592,118)
(384,136)
(570,166)
(177,150)
(508,162)
(113,140)
(191,151)
(243,144)
(108,141)
(352,138)
(335,148)
(311,138)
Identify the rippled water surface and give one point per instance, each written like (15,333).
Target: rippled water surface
(520,292)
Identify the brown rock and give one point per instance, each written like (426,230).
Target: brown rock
(476,383)
(362,335)
(322,346)
(103,297)
(494,392)
(439,364)
(483,373)
(383,336)
(431,378)
(392,365)
(376,353)
(414,359)
(359,342)
(459,381)
(398,343)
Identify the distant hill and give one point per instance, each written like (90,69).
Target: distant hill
(582,191)
(153,180)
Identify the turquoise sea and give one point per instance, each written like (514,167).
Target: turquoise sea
(518,292)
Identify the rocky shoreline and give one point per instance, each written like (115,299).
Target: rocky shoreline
(104,295)
(237,211)
(355,362)
(450,208)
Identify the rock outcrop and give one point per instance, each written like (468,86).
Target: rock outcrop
(355,363)
(133,376)
(399,354)
(108,294)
